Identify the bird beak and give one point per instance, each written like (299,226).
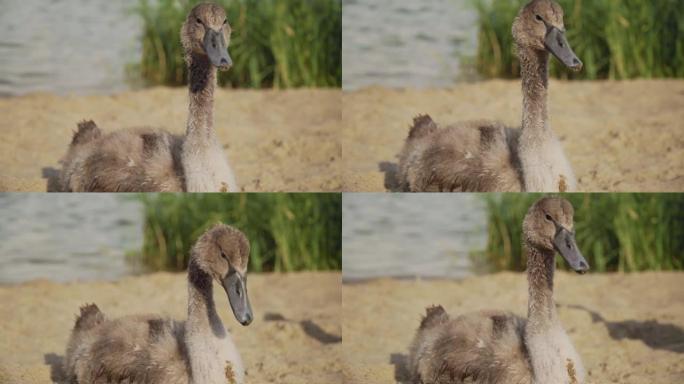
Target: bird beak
(215,47)
(565,244)
(235,286)
(556,43)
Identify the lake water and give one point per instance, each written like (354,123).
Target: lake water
(84,46)
(406,43)
(67,46)
(65,237)
(407,235)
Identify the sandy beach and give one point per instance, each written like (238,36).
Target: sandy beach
(628,328)
(275,140)
(625,136)
(295,337)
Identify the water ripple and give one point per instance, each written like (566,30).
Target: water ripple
(415,43)
(67,237)
(60,45)
(400,235)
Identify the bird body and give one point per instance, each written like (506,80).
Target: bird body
(146,160)
(469,156)
(497,347)
(150,349)
(487,156)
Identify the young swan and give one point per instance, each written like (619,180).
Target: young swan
(487,156)
(144,160)
(152,349)
(500,347)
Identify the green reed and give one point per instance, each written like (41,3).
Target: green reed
(287,232)
(275,43)
(616,39)
(615,232)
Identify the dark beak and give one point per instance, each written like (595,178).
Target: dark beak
(236,288)
(215,46)
(557,44)
(565,244)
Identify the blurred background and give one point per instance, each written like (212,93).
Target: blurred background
(107,236)
(406,235)
(456,235)
(406,43)
(85,47)
(437,43)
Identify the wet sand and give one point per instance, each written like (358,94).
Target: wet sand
(275,140)
(628,328)
(623,136)
(295,337)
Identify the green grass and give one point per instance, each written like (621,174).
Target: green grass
(287,232)
(615,232)
(274,44)
(616,39)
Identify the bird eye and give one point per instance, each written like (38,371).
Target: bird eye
(539,18)
(548,217)
(224,255)
(199,21)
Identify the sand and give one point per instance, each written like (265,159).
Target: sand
(628,328)
(275,140)
(619,136)
(295,337)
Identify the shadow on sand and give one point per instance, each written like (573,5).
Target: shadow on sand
(52,177)
(310,328)
(401,372)
(56,363)
(650,332)
(391,171)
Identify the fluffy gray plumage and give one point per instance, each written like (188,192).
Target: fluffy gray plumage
(150,349)
(487,156)
(148,160)
(496,347)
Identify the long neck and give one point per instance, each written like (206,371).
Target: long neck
(550,351)
(535,78)
(541,309)
(202,81)
(202,316)
(203,328)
